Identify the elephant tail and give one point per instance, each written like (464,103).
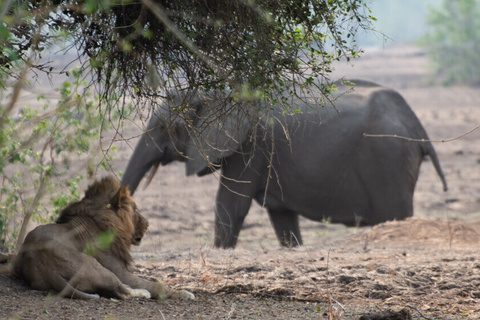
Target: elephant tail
(430,151)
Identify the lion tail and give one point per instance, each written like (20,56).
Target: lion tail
(66,290)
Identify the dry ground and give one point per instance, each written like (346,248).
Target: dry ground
(427,267)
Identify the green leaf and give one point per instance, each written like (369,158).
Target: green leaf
(105,240)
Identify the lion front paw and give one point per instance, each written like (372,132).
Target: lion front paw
(140,293)
(127,292)
(185,295)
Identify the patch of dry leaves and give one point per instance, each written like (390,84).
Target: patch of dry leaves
(430,266)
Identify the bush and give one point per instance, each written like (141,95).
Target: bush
(453,43)
(45,146)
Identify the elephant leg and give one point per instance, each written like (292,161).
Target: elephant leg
(230,210)
(228,222)
(285,223)
(238,185)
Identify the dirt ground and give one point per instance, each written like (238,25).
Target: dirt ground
(427,267)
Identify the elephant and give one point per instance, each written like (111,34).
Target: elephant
(313,161)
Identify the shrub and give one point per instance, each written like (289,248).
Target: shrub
(453,43)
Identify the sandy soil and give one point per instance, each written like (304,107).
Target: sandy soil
(426,267)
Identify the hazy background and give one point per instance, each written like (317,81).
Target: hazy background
(400,20)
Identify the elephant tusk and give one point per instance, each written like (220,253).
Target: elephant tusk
(152,173)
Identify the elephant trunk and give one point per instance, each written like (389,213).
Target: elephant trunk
(145,156)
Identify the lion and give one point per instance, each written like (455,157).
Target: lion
(68,258)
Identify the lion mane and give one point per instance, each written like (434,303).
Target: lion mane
(66,257)
(102,198)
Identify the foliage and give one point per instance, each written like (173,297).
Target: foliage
(142,48)
(39,153)
(102,242)
(454,41)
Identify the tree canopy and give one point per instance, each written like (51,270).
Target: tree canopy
(140,48)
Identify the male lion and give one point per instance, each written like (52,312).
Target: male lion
(67,257)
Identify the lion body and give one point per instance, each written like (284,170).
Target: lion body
(58,257)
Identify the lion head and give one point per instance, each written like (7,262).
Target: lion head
(141,226)
(112,209)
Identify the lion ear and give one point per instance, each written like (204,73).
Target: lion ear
(119,198)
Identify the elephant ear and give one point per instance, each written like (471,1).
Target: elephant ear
(218,131)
